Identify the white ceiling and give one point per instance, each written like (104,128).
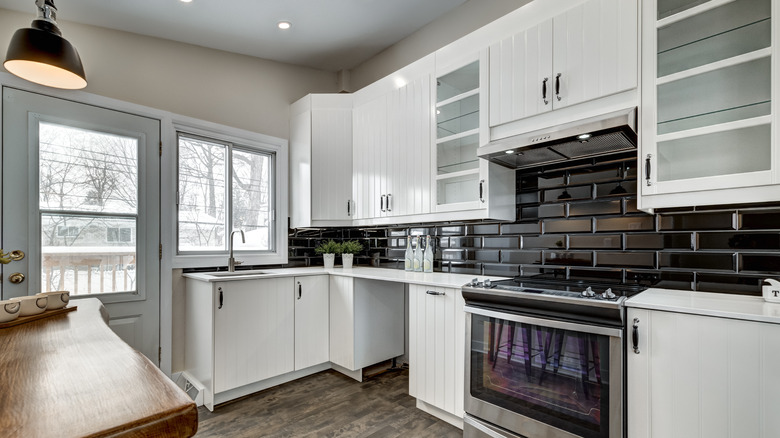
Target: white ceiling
(326,34)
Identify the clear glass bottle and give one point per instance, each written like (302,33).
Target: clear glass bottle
(428,255)
(418,255)
(408,255)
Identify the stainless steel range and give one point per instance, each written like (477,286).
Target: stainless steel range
(545,358)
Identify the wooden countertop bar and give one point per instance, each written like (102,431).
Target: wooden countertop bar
(70,376)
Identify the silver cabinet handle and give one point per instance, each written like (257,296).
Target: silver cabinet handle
(482,190)
(220,298)
(558,86)
(300,290)
(382,203)
(635,336)
(389,202)
(544,91)
(434,292)
(349,210)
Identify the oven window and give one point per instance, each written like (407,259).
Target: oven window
(555,376)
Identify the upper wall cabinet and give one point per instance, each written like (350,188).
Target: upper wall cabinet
(391,138)
(587,52)
(708,103)
(464,182)
(321,161)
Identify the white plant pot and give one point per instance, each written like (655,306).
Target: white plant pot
(346,260)
(329,260)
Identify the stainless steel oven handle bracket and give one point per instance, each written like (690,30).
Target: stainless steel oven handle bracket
(584,328)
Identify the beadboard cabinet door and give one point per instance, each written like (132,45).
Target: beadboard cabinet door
(588,52)
(253,331)
(436,347)
(700,376)
(311,321)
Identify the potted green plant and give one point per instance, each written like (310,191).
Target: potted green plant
(348,250)
(328,249)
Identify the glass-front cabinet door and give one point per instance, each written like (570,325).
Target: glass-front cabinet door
(708,103)
(461,111)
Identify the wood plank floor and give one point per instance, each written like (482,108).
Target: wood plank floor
(326,404)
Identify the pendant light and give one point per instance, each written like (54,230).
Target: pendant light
(40,54)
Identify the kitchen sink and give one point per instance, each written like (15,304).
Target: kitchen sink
(247,273)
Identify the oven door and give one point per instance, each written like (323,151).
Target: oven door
(544,378)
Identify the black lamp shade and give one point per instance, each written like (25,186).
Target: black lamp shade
(45,58)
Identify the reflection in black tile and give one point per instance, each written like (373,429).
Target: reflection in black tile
(527,213)
(465,242)
(453,254)
(510,242)
(395,232)
(527,228)
(731,284)
(763,220)
(526,181)
(661,279)
(551,180)
(465,268)
(696,260)
(484,256)
(552,210)
(659,241)
(630,206)
(610,172)
(452,230)
(543,242)
(521,257)
(420,231)
(748,241)
(501,270)
(597,241)
(567,226)
(627,223)
(555,272)
(768,263)
(444,242)
(556,195)
(578,258)
(597,274)
(594,208)
(395,253)
(528,198)
(697,221)
(626,259)
(482,229)
(610,190)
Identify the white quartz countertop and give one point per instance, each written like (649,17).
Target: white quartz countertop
(748,308)
(440,279)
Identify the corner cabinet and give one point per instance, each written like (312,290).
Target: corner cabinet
(462,181)
(437,338)
(709,103)
(321,161)
(701,376)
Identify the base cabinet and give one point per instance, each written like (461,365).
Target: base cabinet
(311,321)
(436,347)
(699,376)
(366,322)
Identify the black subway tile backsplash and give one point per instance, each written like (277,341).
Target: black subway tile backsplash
(584,222)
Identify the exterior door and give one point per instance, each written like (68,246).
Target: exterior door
(80,197)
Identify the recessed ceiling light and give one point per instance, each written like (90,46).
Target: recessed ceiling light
(284,25)
(510,152)
(584,136)
(186,1)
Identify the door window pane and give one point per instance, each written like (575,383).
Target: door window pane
(82,170)
(88,254)
(202,195)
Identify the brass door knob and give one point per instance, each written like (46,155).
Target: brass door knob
(16,278)
(16,255)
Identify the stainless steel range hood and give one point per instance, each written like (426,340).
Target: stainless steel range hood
(596,136)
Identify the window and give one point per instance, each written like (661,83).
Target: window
(224,187)
(117,234)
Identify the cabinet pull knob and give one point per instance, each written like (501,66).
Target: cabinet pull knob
(544,91)
(220,298)
(635,336)
(389,202)
(433,292)
(558,86)
(481,190)
(349,211)
(382,203)
(647,169)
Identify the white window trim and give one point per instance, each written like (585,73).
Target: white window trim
(240,138)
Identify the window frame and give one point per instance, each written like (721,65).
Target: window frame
(239,140)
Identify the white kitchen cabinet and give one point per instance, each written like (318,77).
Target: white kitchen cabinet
(702,376)
(391,144)
(238,333)
(436,347)
(588,52)
(709,86)
(366,323)
(311,321)
(321,161)
(464,182)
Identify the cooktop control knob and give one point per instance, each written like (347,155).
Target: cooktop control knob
(608,294)
(588,293)
(488,283)
(474,282)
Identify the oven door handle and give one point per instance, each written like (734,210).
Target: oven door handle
(552,323)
